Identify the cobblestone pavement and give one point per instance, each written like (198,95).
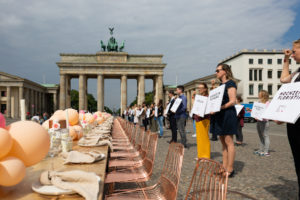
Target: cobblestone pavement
(267,178)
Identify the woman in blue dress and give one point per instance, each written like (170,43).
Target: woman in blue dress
(225,121)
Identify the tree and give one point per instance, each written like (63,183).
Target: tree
(92,103)
(149,96)
(108,110)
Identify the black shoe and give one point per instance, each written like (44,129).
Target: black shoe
(170,141)
(186,146)
(159,136)
(231,174)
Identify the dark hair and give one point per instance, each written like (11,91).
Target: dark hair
(205,86)
(227,69)
(171,92)
(239,98)
(181,87)
(160,102)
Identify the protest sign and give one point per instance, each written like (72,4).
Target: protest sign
(257,110)
(238,109)
(176,104)
(285,106)
(215,99)
(199,105)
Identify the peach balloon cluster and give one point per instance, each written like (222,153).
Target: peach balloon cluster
(22,144)
(77,120)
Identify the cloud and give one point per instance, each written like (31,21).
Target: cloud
(193,35)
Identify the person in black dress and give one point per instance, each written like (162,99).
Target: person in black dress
(293,129)
(225,121)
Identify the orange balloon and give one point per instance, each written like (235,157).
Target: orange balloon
(72,133)
(5,142)
(31,142)
(12,171)
(58,115)
(89,118)
(79,131)
(73,116)
(75,132)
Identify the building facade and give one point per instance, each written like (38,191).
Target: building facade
(38,98)
(257,70)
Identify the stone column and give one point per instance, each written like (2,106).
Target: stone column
(188,97)
(100,93)
(86,93)
(32,102)
(141,92)
(82,83)
(159,88)
(68,91)
(54,102)
(62,91)
(44,109)
(123,93)
(154,89)
(36,101)
(8,101)
(21,96)
(40,102)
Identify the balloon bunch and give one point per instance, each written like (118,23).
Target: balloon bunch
(22,144)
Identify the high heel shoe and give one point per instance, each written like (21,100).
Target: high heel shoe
(231,174)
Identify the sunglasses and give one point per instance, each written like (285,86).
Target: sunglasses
(218,70)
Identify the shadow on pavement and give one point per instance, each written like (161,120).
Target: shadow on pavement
(287,190)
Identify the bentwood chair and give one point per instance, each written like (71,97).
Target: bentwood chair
(135,174)
(129,159)
(209,181)
(167,185)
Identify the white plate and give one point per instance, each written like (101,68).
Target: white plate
(51,189)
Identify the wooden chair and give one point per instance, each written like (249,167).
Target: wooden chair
(167,185)
(208,181)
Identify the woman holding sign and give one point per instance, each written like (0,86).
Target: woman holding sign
(293,129)
(225,121)
(202,127)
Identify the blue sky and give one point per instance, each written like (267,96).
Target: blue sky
(192,35)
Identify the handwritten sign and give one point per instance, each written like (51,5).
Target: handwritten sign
(215,99)
(238,109)
(176,104)
(257,110)
(199,105)
(285,106)
(167,109)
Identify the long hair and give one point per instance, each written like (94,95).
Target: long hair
(228,71)
(205,86)
(160,103)
(264,95)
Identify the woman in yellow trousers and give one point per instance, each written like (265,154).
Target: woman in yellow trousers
(202,128)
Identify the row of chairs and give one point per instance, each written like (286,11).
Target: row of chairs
(133,161)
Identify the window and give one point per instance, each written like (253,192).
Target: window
(260,61)
(270,88)
(250,61)
(278,87)
(270,73)
(3,93)
(260,74)
(255,74)
(250,75)
(279,61)
(279,74)
(260,87)
(270,61)
(251,89)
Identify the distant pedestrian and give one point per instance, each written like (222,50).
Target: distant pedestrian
(172,118)
(160,117)
(263,127)
(153,123)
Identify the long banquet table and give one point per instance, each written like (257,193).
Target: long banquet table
(23,190)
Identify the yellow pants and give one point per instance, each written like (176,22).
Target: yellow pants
(203,143)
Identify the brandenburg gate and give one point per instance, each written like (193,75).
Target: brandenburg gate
(110,63)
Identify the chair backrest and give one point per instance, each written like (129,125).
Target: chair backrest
(148,162)
(208,181)
(145,143)
(139,138)
(170,176)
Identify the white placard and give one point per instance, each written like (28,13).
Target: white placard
(285,106)
(167,109)
(156,112)
(215,99)
(176,104)
(199,105)
(257,110)
(238,109)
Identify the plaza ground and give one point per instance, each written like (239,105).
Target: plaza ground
(265,178)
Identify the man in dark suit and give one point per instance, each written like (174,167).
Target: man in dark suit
(172,118)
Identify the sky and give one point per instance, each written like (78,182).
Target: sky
(192,35)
